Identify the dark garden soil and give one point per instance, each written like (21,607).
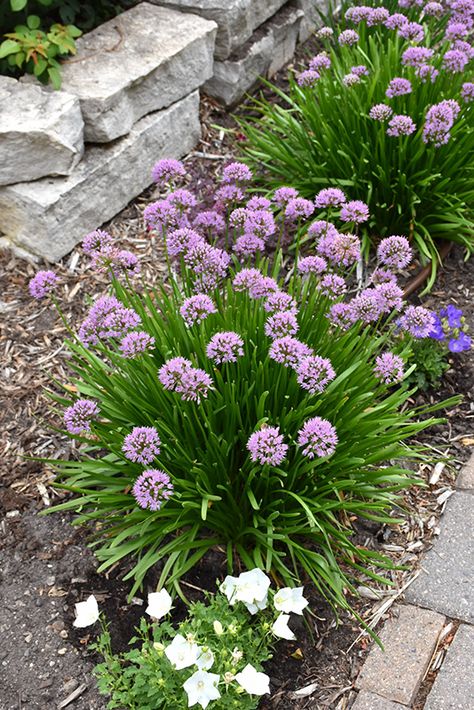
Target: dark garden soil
(45,565)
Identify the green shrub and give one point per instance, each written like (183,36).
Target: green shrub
(290,509)
(323,134)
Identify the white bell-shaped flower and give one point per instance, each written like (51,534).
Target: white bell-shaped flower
(290,600)
(182,653)
(159,604)
(280,628)
(87,613)
(252,681)
(201,688)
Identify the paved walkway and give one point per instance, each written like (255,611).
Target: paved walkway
(390,679)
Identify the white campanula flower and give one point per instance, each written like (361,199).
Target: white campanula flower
(159,604)
(250,587)
(201,688)
(87,613)
(236,655)
(182,652)
(205,659)
(281,629)
(252,681)
(290,600)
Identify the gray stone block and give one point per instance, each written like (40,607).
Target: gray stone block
(465,480)
(446,582)
(41,132)
(312,18)
(370,701)
(237,19)
(50,216)
(453,688)
(270,48)
(143,60)
(409,640)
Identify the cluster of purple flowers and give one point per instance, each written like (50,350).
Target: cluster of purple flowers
(395,252)
(197,308)
(42,284)
(308,78)
(225,347)
(288,351)
(317,437)
(152,488)
(136,343)
(281,324)
(450,326)
(142,445)
(78,416)
(398,87)
(267,446)
(167,171)
(417,321)
(401,125)
(107,319)
(389,368)
(380,112)
(314,373)
(179,375)
(348,37)
(439,121)
(355,211)
(329,197)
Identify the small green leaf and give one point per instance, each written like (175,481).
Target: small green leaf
(17,5)
(55,77)
(9,46)
(33,22)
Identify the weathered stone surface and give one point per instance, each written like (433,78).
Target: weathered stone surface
(311,18)
(41,132)
(237,19)
(409,640)
(465,480)
(446,582)
(370,701)
(48,217)
(453,688)
(271,47)
(144,60)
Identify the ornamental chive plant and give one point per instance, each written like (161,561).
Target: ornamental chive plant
(250,402)
(384,110)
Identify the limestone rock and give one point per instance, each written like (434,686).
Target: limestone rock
(141,61)
(272,46)
(237,19)
(49,217)
(41,132)
(312,18)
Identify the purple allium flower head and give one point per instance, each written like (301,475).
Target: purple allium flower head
(96,241)
(279,301)
(417,321)
(434,9)
(42,284)
(142,445)
(412,31)
(259,223)
(329,197)
(456,30)
(365,306)
(267,446)
(210,220)
(351,79)
(225,347)
(283,195)
(161,216)
(280,324)
(320,62)
(455,61)
(258,203)
(197,308)
(209,263)
(182,199)
(167,171)
(325,32)
(340,315)
(321,228)
(135,343)
(312,265)
(358,13)
(395,252)
(78,416)
(194,385)
(343,249)
(380,112)
(377,16)
(263,287)
(245,279)
(465,47)
(180,241)
(439,120)
(318,437)
(426,72)
(459,344)
(248,245)
(171,373)
(467,91)
(360,70)
(314,373)
(152,488)
(228,194)
(237,217)
(401,125)
(128,262)
(298,208)
(107,318)
(382,276)
(415,56)
(398,87)
(308,78)
(236,173)
(348,37)
(390,297)
(288,351)
(395,21)
(355,211)
(332,286)
(389,368)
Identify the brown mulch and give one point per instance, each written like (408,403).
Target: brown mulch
(44,561)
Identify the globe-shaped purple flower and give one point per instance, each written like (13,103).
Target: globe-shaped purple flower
(142,445)
(152,488)
(317,437)
(267,446)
